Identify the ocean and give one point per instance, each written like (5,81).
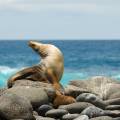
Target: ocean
(82,58)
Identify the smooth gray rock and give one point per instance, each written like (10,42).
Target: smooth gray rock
(70,116)
(74,91)
(115,94)
(77,107)
(30,83)
(15,107)
(113,113)
(43,118)
(36,84)
(93,111)
(118,118)
(91,98)
(17,119)
(82,117)
(43,109)
(102,86)
(115,101)
(37,96)
(102,118)
(113,107)
(56,113)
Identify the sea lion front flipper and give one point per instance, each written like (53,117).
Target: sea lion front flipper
(20,75)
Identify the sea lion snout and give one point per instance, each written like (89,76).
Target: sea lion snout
(32,43)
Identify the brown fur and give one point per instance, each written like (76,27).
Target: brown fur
(62,100)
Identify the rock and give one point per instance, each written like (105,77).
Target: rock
(70,116)
(43,109)
(113,107)
(17,119)
(43,118)
(82,117)
(37,96)
(102,86)
(113,113)
(102,118)
(15,107)
(91,98)
(2,90)
(118,118)
(74,91)
(77,107)
(30,83)
(56,113)
(115,95)
(35,113)
(115,101)
(93,111)
(36,84)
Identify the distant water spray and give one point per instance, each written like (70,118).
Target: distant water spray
(5,73)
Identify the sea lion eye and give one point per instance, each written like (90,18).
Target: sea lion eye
(33,45)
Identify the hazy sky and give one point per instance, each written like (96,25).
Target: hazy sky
(59,19)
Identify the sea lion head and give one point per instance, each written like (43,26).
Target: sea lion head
(45,50)
(38,47)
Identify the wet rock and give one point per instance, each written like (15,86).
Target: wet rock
(43,109)
(15,107)
(113,107)
(93,111)
(102,86)
(82,117)
(77,107)
(102,118)
(91,98)
(70,116)
(36,96)
(56,113)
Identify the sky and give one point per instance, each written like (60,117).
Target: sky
(59,19)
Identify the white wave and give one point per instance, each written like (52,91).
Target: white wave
(5,70)
(5,73)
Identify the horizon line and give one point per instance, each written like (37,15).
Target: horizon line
(61,39)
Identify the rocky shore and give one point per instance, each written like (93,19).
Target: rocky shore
(97,98)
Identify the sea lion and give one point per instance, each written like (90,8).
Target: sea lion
(49,70)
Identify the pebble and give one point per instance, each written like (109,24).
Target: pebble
(91,98)
(82,117)
(70,116)
(77,107)
(102,118)
(113,107)
(56,113)
(43,109)
(93,111)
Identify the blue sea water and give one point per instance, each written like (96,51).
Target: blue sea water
(83,59)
